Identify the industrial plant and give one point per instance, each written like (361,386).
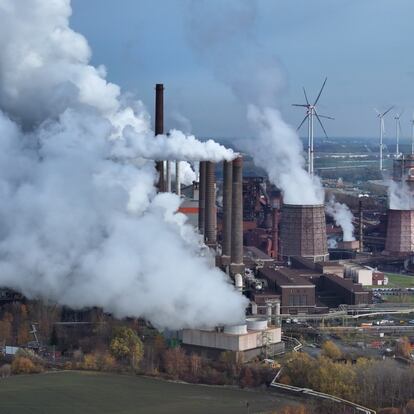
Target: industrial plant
(280,255)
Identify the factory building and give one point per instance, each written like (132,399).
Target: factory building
(297,293)
(256,337)
(359,274)
(338,291)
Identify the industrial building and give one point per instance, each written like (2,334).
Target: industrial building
(337,291)
(297,293)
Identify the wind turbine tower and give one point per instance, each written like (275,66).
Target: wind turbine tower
(412,134)
(311,113)
(397,132)
(380,116)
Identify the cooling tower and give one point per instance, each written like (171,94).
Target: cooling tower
(400,232)
(303,232)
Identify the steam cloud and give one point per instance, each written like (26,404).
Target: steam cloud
(400,196)
(343,217)
(278,149)
(222,33)
(80,220)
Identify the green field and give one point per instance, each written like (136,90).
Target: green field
(96,393)
(398,280)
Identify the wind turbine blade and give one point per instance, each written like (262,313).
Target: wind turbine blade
(320,92)
(320,123)
(304,119)
(306,96)
(388,110)
(399,115)
(304,106)
(378,112)
(326,117)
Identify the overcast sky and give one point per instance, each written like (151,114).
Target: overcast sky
(364,47)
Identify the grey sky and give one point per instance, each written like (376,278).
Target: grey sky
(363,46)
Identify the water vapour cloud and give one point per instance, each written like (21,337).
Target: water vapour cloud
(80,221)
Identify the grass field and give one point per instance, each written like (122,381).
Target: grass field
(397,280)
(95,393)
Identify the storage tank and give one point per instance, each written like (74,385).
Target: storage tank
(256,324)
(303,232)
(400,232)
(238,329)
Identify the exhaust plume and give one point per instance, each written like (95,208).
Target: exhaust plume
(278,149)
(80,221)
(400,197)
(223,35)
(343,217)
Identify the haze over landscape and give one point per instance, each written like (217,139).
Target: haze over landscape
(354,43)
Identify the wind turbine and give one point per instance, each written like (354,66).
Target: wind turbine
(397,132)
(311,113)
(412,134)
(380,116)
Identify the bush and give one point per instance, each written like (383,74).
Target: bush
(24,365)
(89,362)
(106,362)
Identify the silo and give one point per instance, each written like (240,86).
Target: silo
(400,232)
(303,232)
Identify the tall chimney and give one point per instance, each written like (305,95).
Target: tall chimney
(237,218)
(227,206)
(177,178)
(210,213)
(202,197)
(275,231)
(361,226)
(159,129)
(168,177)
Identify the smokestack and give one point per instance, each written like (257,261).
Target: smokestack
(168,180)
(210,214)
(237,218)
(159,129)
(275,230)
(303,232)
(361,227)
(202,197)
(227,207)
(177,178)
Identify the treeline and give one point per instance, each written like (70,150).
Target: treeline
(372,383)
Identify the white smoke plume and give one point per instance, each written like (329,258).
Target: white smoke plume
(80,220)
(343,217)
(187,174)
(174,146)
(223,34)
(278,149)
(400,197)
